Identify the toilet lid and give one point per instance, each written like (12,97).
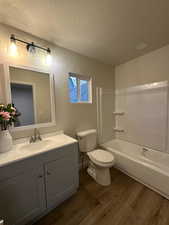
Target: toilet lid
(101,156)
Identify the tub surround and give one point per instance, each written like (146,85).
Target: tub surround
(146,115)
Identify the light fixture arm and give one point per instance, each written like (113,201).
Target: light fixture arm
(28,44)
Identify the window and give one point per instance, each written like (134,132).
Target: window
(79,88)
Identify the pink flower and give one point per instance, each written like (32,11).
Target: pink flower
(6,116)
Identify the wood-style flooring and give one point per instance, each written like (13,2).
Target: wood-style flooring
(124,202)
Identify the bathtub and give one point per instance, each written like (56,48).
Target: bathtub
(150,168)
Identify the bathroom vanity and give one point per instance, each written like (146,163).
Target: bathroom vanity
(34,178)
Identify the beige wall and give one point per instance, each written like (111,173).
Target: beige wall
(69,117)
(149,68)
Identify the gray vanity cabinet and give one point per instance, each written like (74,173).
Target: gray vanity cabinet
(22,196)
(31,187)
(61,180)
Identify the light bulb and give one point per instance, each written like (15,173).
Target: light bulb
(48,57)
(31,48)
(13,47)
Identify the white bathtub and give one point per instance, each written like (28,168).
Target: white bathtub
(151,169)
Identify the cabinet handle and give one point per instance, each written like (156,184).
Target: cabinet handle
(40,176)
(48,173)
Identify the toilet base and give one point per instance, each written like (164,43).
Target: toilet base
(100,174)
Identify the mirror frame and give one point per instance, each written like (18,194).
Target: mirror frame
(52,94)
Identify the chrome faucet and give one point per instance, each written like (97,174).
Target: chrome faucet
(36,136)
(144,150)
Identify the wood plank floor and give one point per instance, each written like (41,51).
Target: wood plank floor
(125,202)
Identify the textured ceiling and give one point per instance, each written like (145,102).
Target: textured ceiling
(107,30)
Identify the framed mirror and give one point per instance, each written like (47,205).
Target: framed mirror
(31,93)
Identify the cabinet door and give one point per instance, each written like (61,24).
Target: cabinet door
(61,180)
(22,197)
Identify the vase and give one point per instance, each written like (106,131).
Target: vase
(5,141)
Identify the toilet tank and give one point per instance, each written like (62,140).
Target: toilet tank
(87,140)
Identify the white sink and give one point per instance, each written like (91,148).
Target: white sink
(37,145)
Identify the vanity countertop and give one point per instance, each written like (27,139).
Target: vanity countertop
(22,149)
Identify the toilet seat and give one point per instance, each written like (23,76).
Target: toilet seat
(101,157)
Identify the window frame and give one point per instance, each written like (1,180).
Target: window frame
(78,78)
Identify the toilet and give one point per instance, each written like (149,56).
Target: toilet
(100,161)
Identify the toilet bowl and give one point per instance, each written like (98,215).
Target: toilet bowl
(100,160)
(99,167)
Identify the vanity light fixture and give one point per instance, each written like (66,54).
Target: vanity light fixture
(30,46)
